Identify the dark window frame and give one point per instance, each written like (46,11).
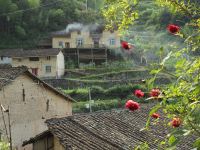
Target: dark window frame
(34,59)
(48,69)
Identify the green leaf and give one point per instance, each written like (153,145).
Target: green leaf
(172,140)
(196,144)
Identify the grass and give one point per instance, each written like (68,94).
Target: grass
(97,105)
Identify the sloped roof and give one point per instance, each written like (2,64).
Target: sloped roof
(19,53)
(8,75)
(109,130)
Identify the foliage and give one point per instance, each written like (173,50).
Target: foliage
(4,145)
(98,105)
(46,16)
(99,93)
(181,98)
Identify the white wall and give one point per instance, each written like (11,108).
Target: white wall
(28,115)
(60,64)
(5,60)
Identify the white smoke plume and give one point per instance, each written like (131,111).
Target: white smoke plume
(74,26)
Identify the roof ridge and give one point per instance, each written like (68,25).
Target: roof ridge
(89,131)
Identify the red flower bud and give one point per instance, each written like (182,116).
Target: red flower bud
(131,105)
(125,45)
(173,28)
(155,115)
(176,122)
(155,92)
(139,93)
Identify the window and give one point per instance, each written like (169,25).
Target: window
(2,57)
(34,58)
(60,43)
(48,69)
(48,57)
(67,45)
(79,42)
(19,59)
(112,41)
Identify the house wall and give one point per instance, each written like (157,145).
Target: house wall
(41,65)
(60,64)
(87,39)
(5,60)
(107,35)
(28,114)
(57,145)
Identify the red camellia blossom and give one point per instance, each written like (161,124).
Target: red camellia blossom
(173,28)
(155,115)
(155,92)
(139,93)
(176,122)
(125,45)
(131,105)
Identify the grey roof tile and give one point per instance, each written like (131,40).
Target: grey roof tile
(109,130)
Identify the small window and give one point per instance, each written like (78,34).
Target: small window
(112,41)
(79,32)
(2,57)
(60,43)
(48,57)
(34,58)
(79,42)
(67,45)
(19,59)
(48,69)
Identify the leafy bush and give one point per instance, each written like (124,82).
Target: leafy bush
(122,91)
(4,145)
(97,92)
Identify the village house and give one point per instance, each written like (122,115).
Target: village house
(85,37)
(86,44)
(25,103)
(5,58)
(41,62)
(105,130)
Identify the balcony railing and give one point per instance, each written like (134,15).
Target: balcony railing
(91,46)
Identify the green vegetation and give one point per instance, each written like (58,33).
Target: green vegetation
(4,145)
(24,22)
(98,93)
(180,102)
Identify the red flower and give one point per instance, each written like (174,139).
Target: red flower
(173,28)
(131,105)
(155,92)
(125,45)
(176,122)
(155,115)
(139,93)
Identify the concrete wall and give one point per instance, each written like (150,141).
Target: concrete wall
(87,39)
(28,114)
(41,65)
(60,64)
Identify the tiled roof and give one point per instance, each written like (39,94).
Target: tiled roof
(18,53)
(7,75)
(108,130)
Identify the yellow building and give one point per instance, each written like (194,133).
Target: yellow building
(41,62)
(29,101)
(80,38)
